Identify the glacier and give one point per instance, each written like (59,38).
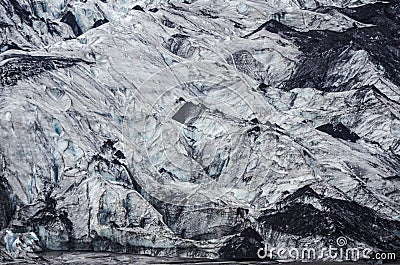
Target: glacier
(198,129)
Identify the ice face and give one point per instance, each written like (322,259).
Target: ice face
(198,129)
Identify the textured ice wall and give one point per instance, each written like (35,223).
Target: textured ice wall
(200,129)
